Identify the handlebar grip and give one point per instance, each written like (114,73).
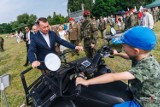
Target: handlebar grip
(111,56)
(66,52)
(78,90)
(119,51)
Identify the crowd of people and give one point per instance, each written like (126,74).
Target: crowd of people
(87,29)
(145,70)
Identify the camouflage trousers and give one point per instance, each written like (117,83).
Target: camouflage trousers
(75,42)
(103,33)
(147,102)
(89,51)
(151,105)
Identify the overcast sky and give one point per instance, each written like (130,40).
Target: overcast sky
(10,9)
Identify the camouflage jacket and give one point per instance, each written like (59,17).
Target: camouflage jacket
(102,25)
(132,20)
(126,21)
(146,85)
(88,29)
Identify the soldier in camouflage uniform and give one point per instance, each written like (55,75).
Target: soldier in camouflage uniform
(157,14)
(95,28)
(126,20)
(131,19)
(102,27)
(136,18)
(144,75)
(89,34)
(154,14)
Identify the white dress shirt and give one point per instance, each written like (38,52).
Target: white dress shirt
(28,37)
(46,38)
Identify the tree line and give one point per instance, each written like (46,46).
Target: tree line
(29,20)
(99,8)
(105,7)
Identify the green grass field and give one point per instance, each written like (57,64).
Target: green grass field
(13,58)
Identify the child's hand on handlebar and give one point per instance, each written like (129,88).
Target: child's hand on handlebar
(81,81)
(114,52)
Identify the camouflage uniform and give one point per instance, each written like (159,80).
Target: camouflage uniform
(136,19)
(102,27)
(89,34)
(157,14)
(95,29)
(126,21)
(146,85)
(154,13)
(131,21)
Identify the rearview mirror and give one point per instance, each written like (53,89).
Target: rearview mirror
(52,62)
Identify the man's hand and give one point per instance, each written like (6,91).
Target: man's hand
(27,40)
(81,81)
(35,64)
(80,48)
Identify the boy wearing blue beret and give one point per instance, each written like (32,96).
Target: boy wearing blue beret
(143,76)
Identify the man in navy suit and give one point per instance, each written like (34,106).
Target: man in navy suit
(27,38)
(43,43)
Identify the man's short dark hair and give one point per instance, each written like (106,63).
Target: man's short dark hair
(43,19)
(26,27)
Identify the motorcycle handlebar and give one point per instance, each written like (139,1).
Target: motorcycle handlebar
(119,51)
(66,52)
(78,90)
(25,71)
(78,87)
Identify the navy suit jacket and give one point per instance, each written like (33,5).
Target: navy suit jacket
(39,49)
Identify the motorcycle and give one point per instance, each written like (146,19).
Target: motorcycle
(57,87)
